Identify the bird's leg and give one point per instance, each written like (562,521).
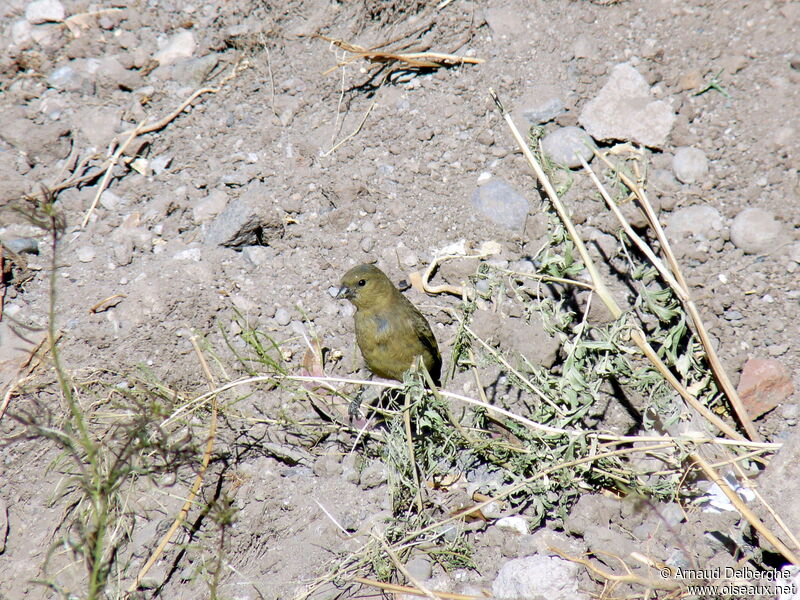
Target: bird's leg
(354,410)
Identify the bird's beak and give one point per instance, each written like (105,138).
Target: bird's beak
(344,293)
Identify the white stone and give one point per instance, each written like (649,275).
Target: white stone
(690,164)
(181,45)
(625,109)
(21,32)
(44,11)
(538,576)
(514,524)
(86,254)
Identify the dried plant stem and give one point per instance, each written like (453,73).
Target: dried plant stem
(743,509)
(402,568)
(411,455)
(636,334)
(629,577)
(403,589)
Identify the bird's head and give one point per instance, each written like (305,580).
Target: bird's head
(366,286)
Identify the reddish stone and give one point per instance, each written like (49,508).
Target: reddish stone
(764,384)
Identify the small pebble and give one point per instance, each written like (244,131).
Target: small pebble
(501,204)
(539,105)
(419,568)
(755,231)
(565,145)
(181,45)
(255,255)
(699,221)
(690,164)
(513,524)
(22,245)
(86,254)
(44,11)
(778,349)
(367,244)
(109,200)
(373,475)
(282,317)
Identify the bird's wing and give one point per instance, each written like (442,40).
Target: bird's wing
(423,329)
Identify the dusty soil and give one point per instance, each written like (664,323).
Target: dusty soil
(396,192)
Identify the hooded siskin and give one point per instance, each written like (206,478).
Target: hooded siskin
(390,331)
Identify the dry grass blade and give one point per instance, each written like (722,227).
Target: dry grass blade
(413,60)
(403,589)
(614,579)
(424,591)
(743,509)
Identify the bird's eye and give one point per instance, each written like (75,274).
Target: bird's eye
(362,283)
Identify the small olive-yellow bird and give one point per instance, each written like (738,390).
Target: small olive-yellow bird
(390,331)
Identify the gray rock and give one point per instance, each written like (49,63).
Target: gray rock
(194,71)
(98,125)
(626,110)
(672,513)
(539,105)
(733,315)
(159,164)
(373,475)
(181,45)
(327,466)
(110,201)
(123,248)
(255,255)
(504,22)
(67,78)
(755,231)
(111,74)
(564,145)
(689,164)
(584,47)
(193,254)
(538,576)
(44,11)
(514,525)
(282,317)
(210,206)
(367,244)
(86,254)
(700,221)
(420,568)
(666,186)
(22,245)
(501,204)
(250,220)
(21,32)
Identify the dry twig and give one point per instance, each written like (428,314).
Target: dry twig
(413,60)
